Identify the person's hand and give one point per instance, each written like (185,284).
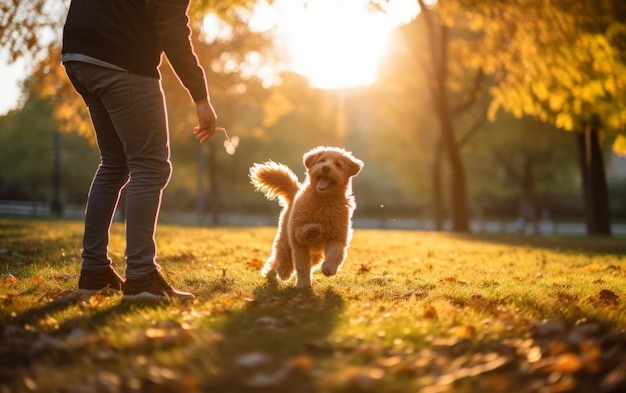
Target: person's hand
(207,120)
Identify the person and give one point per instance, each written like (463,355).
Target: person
(111,51)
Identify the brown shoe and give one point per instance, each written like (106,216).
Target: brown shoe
(154,284)
(95,281)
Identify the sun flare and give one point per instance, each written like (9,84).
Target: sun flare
(337,43)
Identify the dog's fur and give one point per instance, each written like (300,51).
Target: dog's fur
(315,222)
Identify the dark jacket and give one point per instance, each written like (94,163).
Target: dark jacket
(133,34)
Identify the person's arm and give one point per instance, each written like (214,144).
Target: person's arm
(206,120)
(171,26)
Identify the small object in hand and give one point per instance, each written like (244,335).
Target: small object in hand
(230,143)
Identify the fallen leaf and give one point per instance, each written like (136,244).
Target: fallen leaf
(546,328)
(37,280)
(64,276)
(263,380)
(465,331)
(567,363)
(256,263)
(430,313)
(155,333)
(451,280)
(590,355)
(252,360)
(301,363)
(565,384)
(366,380)
(608,297)
(614,379)
(480,303)
(9,279)
(389,362)
(266,321)
(534,354)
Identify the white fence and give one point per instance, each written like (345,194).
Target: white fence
(42,209)
(38,209)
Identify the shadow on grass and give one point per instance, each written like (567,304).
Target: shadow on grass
(269,345)
(35,334)
(565,244)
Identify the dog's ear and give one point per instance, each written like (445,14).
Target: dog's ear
(310,158)
(353,165)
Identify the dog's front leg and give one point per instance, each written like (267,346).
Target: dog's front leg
(334,253)
(303,266)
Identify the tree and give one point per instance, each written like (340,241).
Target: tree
(564,63)
(522,160)
(27,156)
(454,89)
(23,23)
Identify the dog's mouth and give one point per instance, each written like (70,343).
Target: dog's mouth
(324,183)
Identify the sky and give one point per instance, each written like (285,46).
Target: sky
(10,77)
(339,44)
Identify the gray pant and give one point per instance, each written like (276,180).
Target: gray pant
(129,118)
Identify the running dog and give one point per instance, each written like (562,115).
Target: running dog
(315,224)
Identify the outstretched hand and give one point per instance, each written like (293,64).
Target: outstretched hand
(207,120)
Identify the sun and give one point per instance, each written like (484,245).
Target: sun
(338,44)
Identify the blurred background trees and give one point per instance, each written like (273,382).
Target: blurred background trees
(499,109)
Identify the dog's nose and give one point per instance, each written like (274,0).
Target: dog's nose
(325,169)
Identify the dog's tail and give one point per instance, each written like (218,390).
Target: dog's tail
(275,181)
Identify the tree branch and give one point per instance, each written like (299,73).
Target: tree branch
(472,95)
(473,129)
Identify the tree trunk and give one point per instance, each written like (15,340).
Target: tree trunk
(438,37)
(437,182)
(595,189)
(460,216)
(458,195)
(528,205)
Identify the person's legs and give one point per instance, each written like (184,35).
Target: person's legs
(142,127)
(110,178)
(135,109)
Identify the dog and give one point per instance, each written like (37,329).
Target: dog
(315,223)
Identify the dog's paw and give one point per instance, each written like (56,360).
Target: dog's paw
(329,269)
(269,274)
(284,270)
(304,284)
(269,269)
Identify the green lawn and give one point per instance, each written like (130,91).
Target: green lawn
(408,312)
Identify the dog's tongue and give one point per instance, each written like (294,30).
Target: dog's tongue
(323,184)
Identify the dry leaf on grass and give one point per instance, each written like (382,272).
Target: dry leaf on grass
(256,263)
(608,297)
(9,280)
(430,312)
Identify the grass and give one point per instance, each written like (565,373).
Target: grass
(408,312)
